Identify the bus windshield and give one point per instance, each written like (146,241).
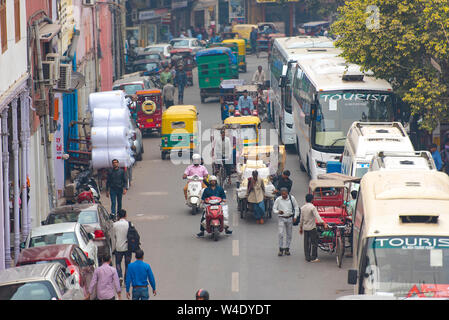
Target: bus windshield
(408,266)
(336,111)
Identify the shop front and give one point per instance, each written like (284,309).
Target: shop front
(151,28)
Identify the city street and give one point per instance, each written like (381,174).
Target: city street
(243,265)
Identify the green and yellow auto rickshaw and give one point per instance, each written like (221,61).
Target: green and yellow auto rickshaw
(179,131)
(241,45)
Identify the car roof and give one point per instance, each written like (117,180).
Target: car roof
(53,251)
(175,39)
(146,61)
(32,272)
(54,228)
(75,208)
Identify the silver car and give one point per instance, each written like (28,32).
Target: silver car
(47,281)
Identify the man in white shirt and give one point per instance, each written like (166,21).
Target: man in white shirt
(287,209)
(121,243)
(309,214)
(259,76)
(223,153)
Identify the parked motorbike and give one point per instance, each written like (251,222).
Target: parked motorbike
(83,181)
(194,192)
(214,222)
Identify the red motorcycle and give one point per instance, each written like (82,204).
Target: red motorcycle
(214,216)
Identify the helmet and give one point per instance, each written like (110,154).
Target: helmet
(202,295)
(212,178)
(196,158)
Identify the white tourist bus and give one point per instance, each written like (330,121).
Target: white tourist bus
(328,96)
(282,61)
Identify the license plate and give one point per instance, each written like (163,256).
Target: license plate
(149,120)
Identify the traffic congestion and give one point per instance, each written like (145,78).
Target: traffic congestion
(250,163)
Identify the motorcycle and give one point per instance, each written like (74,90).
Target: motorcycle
(84,179)
(214,222)
(194,192)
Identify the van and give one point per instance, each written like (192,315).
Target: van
(401,234)
(419,160)
(366,139)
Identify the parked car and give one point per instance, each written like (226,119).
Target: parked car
(69,255)
(163,48)
(147,67)
(63,233)
(48,281)
(136,140)
(152,55)
(132,84)
(93,217)
(190,43)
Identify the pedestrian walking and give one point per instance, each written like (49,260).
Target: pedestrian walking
(106,281)
(253,39)
(307,224)
(121,228)
(287,209)
(168,94)
(139,276)
(436,156)
(116,186)
(255,195)
(181,82)
(165,76)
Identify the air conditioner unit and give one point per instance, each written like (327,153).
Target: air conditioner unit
(48,68)
(88,2)
(65,79)
(56,59)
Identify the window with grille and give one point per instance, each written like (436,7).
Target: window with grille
(221,68)
(204,69)
(3,30)
(17,19)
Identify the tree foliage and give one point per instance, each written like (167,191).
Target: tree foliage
(410,36)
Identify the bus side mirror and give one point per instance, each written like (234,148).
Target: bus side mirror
(307,119)
(352,276)
(282,81)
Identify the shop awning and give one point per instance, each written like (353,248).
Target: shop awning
(204,4)
(47,31)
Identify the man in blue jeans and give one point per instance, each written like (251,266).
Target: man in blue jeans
(139,275)
(116,186)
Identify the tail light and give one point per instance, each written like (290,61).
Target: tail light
(134,136)
(166,140)
(87,254)
(99,235)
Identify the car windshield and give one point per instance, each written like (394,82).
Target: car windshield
(408,266)
(132,88)
(152,56)
(337,111)
(83,217)
(146,66)
(158,49)
(248,133)
(180,43)
(61,261)
(37,290)
(55,238)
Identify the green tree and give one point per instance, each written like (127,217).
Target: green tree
(405,42)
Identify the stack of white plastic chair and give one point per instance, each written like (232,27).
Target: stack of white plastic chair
(110,132)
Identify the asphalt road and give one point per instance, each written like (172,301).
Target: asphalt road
(244,265)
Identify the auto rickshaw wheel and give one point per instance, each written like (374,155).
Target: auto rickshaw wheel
(244,68)
(163,155)
(203,99)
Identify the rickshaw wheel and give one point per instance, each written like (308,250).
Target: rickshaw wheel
(163,155)
(244,68)
(340,250)
(242,209)
(203,99)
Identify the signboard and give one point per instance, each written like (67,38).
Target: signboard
(58,144)
(178,4)
(236,10)
(152,14)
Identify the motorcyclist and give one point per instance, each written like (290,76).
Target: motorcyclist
(245,103)
(202,295)
(196,168)
(214,190)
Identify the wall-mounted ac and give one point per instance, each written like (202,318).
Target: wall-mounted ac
(48,68)
(56,58)
(65,79)
(89,2)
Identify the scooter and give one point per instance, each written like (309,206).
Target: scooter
(214,222)
(194,192)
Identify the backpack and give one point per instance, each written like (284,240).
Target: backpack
(133,238)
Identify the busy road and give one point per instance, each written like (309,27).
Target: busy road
(243,265)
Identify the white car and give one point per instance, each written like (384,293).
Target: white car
(163,48)
(188,43)
(64,233)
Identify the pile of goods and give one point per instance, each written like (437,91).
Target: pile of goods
(110,133)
